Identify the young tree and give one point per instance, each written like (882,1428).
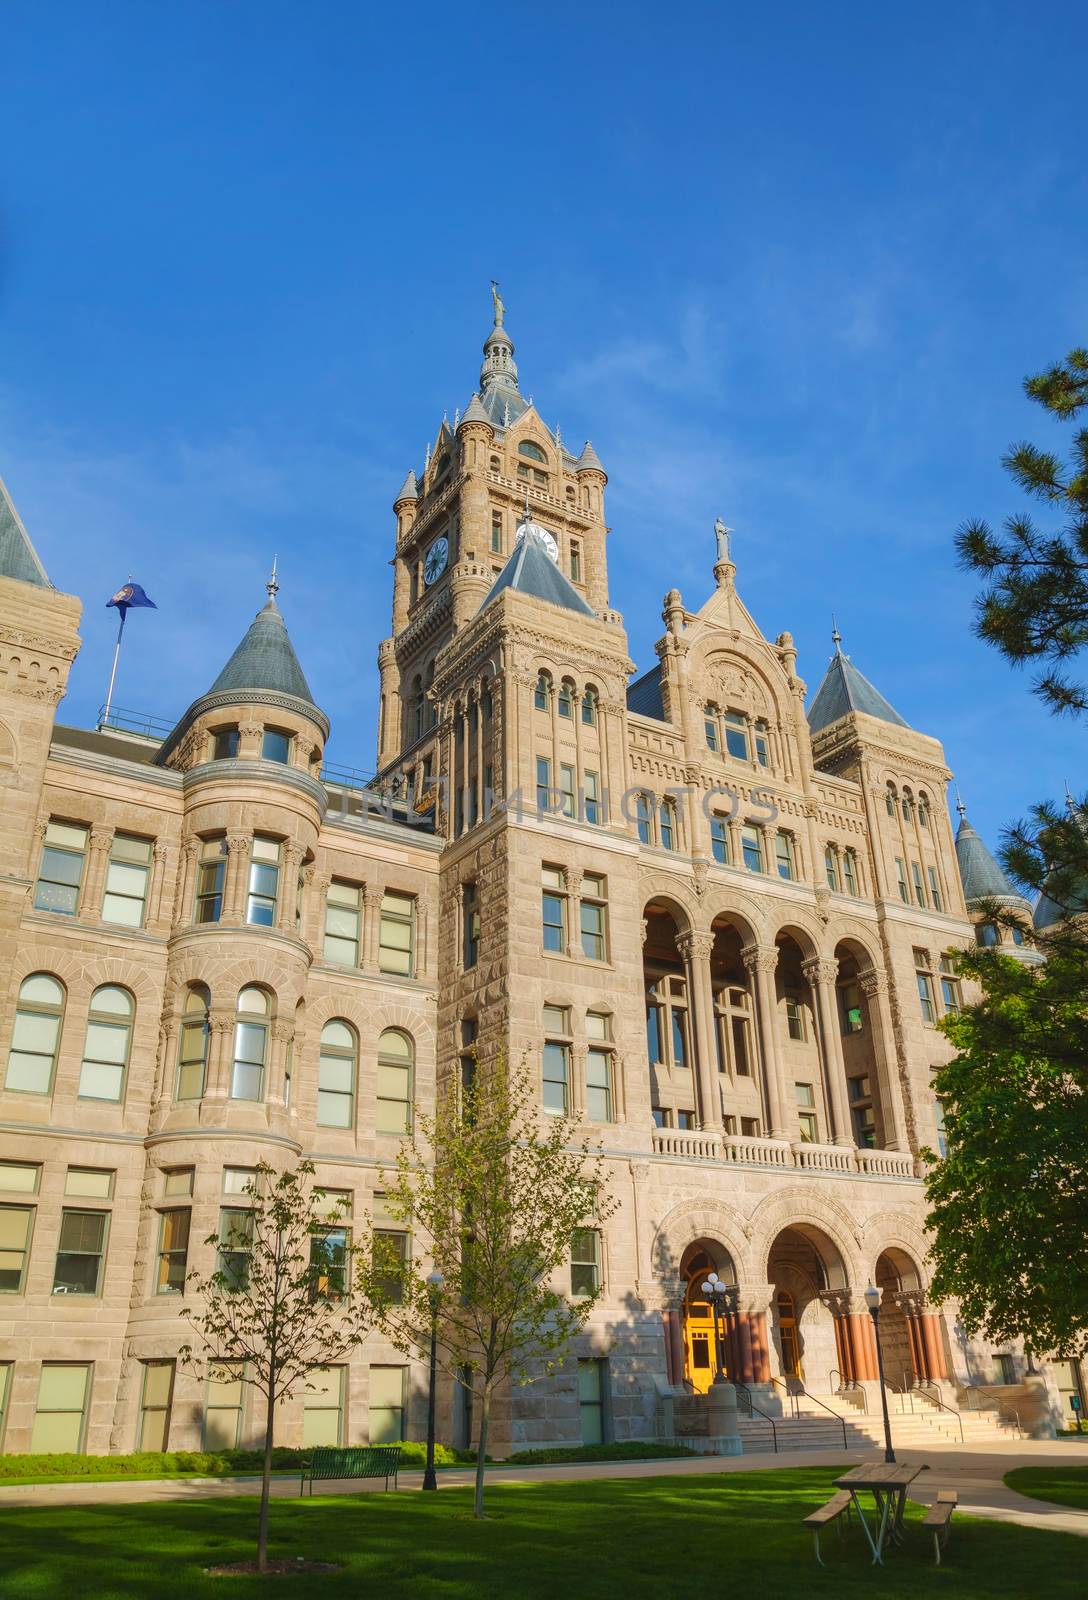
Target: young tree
(1035,607)
(278,1301)
(494,1199)
(1010,1197)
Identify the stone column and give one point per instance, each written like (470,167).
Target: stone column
(578,1078)
(236,885)
(157,900)
(574,913)
(185,896)
(98,855)
(372,912)
(288,899)
(281,1038)
(695,950)
(875,987)
(761,961)
(480,785)
(220,1060)
(821,976)
(313,921)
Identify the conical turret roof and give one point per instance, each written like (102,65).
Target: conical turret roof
(409,489)
(531,570)
(844,689)
(980,874)
(18,557)
(265,659)
(589,460)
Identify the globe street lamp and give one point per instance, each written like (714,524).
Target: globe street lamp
(435,1284)
(721,1297)
(872,1300)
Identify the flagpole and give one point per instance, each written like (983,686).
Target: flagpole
(123,609)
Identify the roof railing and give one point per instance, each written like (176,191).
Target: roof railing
(141,723)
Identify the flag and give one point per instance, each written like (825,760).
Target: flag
(130,595)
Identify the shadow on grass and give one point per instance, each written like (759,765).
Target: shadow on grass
(597,1538)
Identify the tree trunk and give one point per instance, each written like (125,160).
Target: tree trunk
(266,1483)
(481,1450)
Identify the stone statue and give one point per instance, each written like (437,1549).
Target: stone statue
(722,533)
(496,298)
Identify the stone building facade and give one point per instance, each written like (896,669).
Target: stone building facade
(713,923)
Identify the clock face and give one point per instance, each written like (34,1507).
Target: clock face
(549,544)
(437,556)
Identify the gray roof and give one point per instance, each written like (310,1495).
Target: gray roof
(531,570)
(474,411)
(589,459)
(843,690)
(18,557)
(644,695)
(265,659)
(980,874)
(409,489)
(502,404)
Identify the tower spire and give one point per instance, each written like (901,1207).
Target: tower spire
(273,584)
(836,636)
(960,807)
(499,370)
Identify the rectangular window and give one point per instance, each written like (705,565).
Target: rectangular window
(20,1177)
(783,855)
(225,743)
(553,909)
(264,881)
(685,1119)
(710,728)
(831,867)
(496,532)
(593,798)
(852,1015)
(644,814)
(210,874)
(330,1261)
(806,1114)
(662,1116)
(127,878)
(901,874)
(575,561)
(343,917)
(795,1019)
(585,1261)
(543,784)
(938,1123)
(235,1243)
(396,936)
(1006,1368)
(276,746)
(556,1077)
(950,986)
(592,1388)
(850,872)
(387,1404)
(63,1392)
(61,871)
(81,1252)
(719,839)
(566,788)
(752,848)
(935,890)
(666,818)
(736,735)
(89,1183)
(861,1111)
(155,1402)
(599,1085)
(925,986)
(173,1250)
(16,1223)
(593,918)
(239,1180)
(762,744)
(177,1181)
(323,1407)
(224,1405)
(392,1247)
(919,886)
(749,1127)
(470,926)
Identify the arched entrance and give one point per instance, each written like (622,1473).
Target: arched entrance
(912,1338)
(805,1266)
(700,1345)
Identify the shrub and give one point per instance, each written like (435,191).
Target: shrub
(197,1463)
(628,1450)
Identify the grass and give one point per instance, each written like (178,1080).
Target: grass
(1064,1485)
(144,1466)
(597,1538)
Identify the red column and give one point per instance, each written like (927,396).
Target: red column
(843,1352)
(863,1341)
(744,1340)
(761,1361)
(934,1346)
(917,1346)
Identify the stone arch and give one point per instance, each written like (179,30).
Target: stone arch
(798,928)
(799,1207)
(9,749)
(722,909)
(891,1232)
(663,889)
(688,1223)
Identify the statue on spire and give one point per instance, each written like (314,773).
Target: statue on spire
(497,301)
(721,533)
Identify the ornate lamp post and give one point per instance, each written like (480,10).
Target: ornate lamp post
(435,1284)
(872,1300)
(722,1297)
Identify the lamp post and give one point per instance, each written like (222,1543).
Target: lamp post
(872,1300)
(435,1284)
(721,1296)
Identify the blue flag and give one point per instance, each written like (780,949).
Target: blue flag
(130,595)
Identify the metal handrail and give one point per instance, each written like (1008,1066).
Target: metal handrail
(924,1388)
(793,1393)
(755,1411)
(1000,1408)
(850,1383)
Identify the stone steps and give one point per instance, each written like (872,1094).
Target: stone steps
(814,1429)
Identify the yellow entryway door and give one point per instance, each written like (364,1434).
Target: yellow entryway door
(788,1339)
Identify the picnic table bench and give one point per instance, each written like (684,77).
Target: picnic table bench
(888,1483)
(939,1519)
(367,1461)
(839,1505)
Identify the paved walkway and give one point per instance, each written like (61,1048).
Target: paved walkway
(974,1470)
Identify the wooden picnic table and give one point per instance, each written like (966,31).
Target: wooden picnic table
(888,1483)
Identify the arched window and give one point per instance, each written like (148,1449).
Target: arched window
(36,1035)
(710,723)
(542,692)
(336,1075)
(442,468)
(667,822)
(250,1045)
(891,799)
(908,806)
(644,817)
(396,1059)
(831,867)
(106,1047)
(923,808)
(762,739)
(193,1044)
(589,707)
(495,464)
(566,698)
(533,451)
(850,872)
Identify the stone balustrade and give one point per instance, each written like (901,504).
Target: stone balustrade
(694,1145)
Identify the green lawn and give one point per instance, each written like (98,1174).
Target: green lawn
(1064,1485)
(597,1538)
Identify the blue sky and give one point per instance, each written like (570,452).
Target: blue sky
(787,264)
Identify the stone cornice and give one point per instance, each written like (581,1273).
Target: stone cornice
(237,771)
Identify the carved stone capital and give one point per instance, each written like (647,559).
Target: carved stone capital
(759,957)
(293,854)
(283,1031)
(817,969)
(695,946)
(160,850)
(238,843)
(101,838)
(250,730)
(873,982)
(217,1023)
(373,895)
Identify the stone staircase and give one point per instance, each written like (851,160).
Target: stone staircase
(915,1420)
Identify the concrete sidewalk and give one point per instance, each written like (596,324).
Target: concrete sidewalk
(975,1471)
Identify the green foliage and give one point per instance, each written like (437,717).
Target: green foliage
(1035,605)
(492,1191)
(196,1463)
(1009,1200)
(630,1450)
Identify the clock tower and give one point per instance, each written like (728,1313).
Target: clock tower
(458,523)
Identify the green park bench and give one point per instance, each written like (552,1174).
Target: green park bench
(368,1461)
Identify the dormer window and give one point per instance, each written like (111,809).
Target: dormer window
(276,746)
(225,744)
(533,451)
(442,468)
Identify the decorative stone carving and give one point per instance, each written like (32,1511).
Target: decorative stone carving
(818,970)
(696,946)
(873,983)
(759,957)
